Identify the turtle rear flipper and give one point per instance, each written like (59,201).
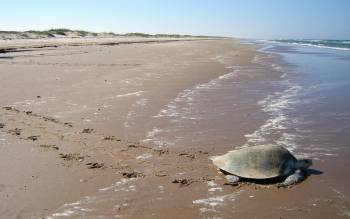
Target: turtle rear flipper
(295,178)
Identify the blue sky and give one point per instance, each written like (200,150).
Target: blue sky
(239,18)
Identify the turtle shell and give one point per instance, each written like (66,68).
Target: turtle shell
(257,162)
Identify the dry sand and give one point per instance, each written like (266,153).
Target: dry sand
(70,134)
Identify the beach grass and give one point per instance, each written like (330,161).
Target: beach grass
(65,32)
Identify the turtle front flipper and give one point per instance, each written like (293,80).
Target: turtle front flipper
(232,179)
(295,178)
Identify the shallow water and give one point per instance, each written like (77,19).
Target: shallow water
(216,113)
(312,114)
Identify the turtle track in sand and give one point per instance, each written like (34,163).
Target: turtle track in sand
(177,171)
(78,145)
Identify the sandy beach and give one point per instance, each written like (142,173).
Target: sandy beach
(88,129)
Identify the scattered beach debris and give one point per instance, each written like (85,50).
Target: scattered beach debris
(203,152)
(138,146)
(95,165)
(191,156)
(28,112)
(133,174)
(15,131)
(183,181)
(38,97)
(8,108)
(87,131)
(72,157)
(68,124)
(33,137)
(161,151)
(2,125)
(50,146)
(47,118)
(111,138)
(132,146)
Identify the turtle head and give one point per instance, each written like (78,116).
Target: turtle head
(303,164)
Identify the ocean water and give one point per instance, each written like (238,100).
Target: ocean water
(312,114)
(212,114)
(327,44)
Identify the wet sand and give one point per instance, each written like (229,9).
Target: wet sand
(80,123)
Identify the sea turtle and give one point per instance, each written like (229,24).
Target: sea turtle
(262,162)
